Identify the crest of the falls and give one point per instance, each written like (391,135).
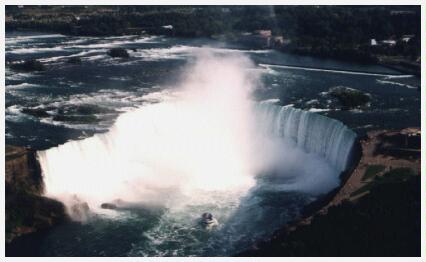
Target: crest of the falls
(312,132)
(169,146)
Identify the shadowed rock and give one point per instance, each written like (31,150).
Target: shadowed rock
(108,206)
(349,98)
(74,60)
(80,211)
(118,52)
(78,119)
(37,112)
(28,66)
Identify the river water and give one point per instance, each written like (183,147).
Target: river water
(72,102)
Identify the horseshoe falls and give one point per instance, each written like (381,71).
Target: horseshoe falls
(207,146)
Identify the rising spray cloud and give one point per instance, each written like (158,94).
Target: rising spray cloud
(201,139)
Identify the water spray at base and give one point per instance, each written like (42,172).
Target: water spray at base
(198,140)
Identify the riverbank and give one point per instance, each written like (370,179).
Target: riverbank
(401,64)
(253,27)
(374,213)
(375,162)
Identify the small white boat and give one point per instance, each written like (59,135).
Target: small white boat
(208,221)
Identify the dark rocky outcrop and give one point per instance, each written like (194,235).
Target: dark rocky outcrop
(118,52)
(27,211)
(84,109)
(108,206)
(77,119)
(81,114)
(74,60)
(28,66)
(37,112)
(23,173)
(80,211)
(349,98)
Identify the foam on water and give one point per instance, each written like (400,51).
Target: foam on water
(28,38)
(22,86)
(29,50)
(81,54)
(116,43)
(395,83)
(328,70)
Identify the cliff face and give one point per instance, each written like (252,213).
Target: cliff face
(23,174)
(27,210)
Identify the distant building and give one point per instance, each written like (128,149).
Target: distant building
(9,18)
(411,137)
(279,40)
(411,131)
(257,39)
(402,12)
(388,42)
(170,27)
(261,39)
(406,38)
(263,33)
(135,30)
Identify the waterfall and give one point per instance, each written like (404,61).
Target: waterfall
(172,145)
(209,136)
(312,132)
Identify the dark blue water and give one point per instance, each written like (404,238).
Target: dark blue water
(102,87)
(74,101)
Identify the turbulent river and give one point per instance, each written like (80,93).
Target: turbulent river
(184,127)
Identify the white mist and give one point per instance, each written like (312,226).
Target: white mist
(200,140)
